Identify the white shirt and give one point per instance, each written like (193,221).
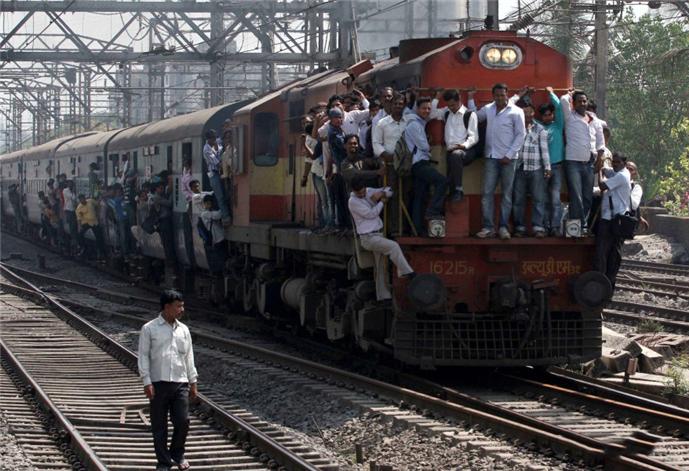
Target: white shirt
(352,119)
(380,115)
(70,199)
(637,193)
(365,212)
(316,164)
(455,132)
(386,133)
(584,133)
(505,130)
(212,158)
(165,353)
(213,222)
(197,202)
(619,188)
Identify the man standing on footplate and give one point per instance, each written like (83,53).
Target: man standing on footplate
(166,364)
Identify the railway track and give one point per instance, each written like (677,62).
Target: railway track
(97,398)
(673,320)
(653,267)
(556,411)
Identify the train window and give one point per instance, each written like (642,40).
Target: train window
(465,54)
(238,133)
(500,56)
(266,139)
(169,158)
(186,151)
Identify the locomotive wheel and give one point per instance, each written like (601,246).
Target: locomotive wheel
(248,295)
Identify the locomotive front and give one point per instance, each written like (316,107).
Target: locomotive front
(491,302)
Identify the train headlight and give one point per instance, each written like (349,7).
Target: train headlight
(500,55)
(493,55)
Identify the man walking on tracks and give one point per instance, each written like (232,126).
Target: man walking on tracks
(166,364)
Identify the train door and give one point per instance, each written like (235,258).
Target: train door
(267,170)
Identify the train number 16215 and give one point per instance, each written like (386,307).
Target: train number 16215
(451,267)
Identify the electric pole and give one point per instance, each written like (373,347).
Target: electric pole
(601,67)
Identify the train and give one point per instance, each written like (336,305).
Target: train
(475,302)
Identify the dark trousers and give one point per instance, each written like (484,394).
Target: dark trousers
(338,192)
(456,161)
(172,398)
(425,176)
(608,251)
(167,236)
(97,233)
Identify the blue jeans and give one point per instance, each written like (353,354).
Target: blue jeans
(493,171)
(425,176)
(533,182)
(219,192)
(554,204)
(325,214)
(580,184)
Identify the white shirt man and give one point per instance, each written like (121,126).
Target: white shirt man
(365,205)
(353,118)
(455,132)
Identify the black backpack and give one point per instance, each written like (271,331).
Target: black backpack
(205,233)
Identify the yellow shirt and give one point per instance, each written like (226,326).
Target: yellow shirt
(86,213)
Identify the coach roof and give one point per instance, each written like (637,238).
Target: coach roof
(47,150)
(85,145)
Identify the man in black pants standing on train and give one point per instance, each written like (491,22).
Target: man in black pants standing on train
(166,364)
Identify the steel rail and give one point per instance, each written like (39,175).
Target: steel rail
(679,326)
(654,267)
(455,405)
(86,455)
(669,313)
(263,442)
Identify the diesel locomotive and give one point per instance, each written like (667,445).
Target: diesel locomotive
(475,302)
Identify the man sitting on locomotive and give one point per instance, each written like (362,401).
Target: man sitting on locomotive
(365,205)
(461,137)
(356,165)
(533,172)
(505,132)
(422,171)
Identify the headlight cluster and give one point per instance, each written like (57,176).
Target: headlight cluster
(500,56)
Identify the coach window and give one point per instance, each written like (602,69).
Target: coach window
(266,139)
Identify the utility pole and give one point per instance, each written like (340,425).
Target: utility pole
(601,67)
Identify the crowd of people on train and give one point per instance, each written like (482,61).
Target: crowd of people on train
(355,148)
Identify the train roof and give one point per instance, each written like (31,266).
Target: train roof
(48,149)
(84,145)
(12,156)
(127,139)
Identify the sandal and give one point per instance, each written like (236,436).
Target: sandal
(183,465)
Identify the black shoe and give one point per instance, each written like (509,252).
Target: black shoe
(409,276)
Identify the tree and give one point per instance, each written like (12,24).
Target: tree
(648,96)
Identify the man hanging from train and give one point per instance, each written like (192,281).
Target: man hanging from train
(533,172)
(337,155)
(505,133)
(552,120)
(461,137)
(615,185)
(87,217)
(585,146)
(424,175)
(211,155)
(365,205)
(356,165)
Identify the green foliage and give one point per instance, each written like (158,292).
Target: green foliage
(677,382)
(674,187)
(648,99)
(649,326)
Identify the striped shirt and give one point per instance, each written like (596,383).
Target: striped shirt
(535,149)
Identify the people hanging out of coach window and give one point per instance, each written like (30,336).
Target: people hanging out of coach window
(313,166)
(585,147)
(365,205)
(424,175)
(553,122)
(461,136)
(211,155)
(70,203)
(166,366)
(357,165)
(216,248)
(87,217)
(227,161)
(615,186)
(160,201)
(115,201)
(505,133)
(533,172)
(94,180)
(334,178)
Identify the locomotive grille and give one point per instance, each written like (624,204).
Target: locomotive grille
(492,340)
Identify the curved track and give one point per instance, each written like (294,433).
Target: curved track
(556,411)
(98,400)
